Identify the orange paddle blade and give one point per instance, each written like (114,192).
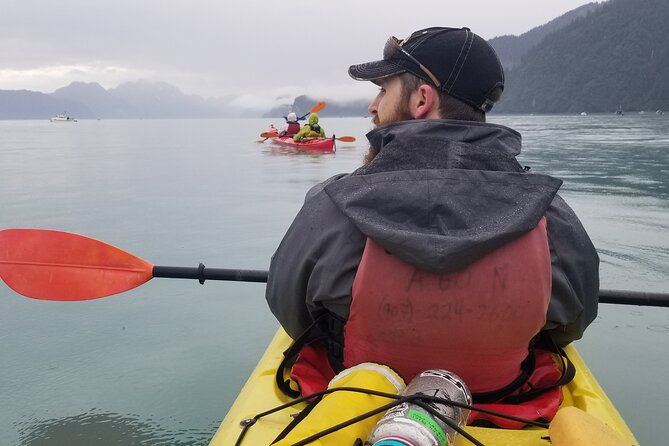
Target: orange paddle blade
(318,107)
(345,138)
(55,265)
(268,134)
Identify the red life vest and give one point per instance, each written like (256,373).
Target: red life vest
(292,129)
(476,322)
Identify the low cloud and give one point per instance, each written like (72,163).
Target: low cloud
(50,78)
(267,99)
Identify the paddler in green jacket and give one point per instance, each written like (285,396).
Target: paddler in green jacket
(311,130)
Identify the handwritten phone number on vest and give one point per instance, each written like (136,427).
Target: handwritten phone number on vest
(411,312)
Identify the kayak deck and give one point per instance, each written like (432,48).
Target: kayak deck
(318,144)
(260,394)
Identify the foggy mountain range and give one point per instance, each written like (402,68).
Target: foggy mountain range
(594,58)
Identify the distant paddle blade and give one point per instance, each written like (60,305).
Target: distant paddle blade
(55,265)
(268,134)
(346,138)
(318,107)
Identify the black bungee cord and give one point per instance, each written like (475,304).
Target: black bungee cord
(417,399)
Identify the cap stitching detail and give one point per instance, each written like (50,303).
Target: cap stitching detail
(467,43)
(420,41)
(371,75)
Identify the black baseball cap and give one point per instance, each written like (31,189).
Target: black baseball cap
(455,60)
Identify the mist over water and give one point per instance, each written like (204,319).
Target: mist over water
(161,364)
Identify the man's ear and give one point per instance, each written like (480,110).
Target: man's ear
(425,103)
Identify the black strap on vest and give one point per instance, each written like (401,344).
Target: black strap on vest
(326,323)
(288,360)
(568,373)
(503,395)
(526,370)
(335,343)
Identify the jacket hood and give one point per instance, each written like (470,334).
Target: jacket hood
(440,194)
(313,119)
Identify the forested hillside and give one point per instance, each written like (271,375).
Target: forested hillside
(511,49)
(616,56)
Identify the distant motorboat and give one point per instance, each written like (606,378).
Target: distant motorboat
(584,114)
(659,112)
(62,118)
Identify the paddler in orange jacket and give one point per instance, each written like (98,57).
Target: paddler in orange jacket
(441,251)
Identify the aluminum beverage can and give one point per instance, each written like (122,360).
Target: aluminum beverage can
(410,425)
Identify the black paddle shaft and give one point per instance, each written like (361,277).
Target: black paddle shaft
(623,297)
(203,273)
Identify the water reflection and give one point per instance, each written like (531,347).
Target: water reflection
(277,150)
(103,429)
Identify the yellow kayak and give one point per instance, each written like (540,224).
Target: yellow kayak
(583,392)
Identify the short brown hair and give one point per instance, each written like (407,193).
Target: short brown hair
(449,107)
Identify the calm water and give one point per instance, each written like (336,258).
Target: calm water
(161,364)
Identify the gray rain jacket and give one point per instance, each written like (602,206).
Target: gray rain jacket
(439,195)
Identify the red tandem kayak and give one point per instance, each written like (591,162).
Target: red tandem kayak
(320,144)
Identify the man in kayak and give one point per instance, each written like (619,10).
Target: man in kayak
(311,130)
(441,251)
(292,126)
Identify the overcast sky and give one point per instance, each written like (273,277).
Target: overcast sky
(261,50)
